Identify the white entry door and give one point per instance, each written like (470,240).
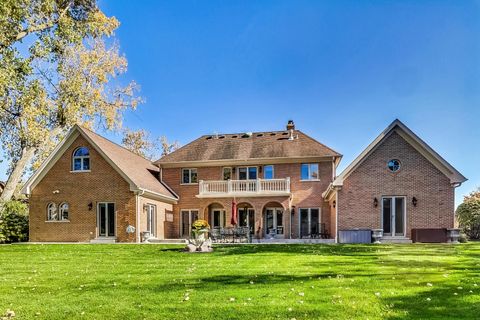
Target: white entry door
(393,216)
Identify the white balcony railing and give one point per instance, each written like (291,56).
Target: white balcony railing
(238,188)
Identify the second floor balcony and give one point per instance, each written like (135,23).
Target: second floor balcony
(244,188)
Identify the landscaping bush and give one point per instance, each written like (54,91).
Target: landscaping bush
(468,215)
(14,222)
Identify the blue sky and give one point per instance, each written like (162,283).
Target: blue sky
(342,70)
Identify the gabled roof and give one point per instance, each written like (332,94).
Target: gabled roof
(249,146)
(139,172)
(417,143)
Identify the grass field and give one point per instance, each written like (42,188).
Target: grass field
(241,282)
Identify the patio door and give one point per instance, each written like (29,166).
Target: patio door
(274,222)
(151,219)
(246,218)
(309,222)
(393,216)
(106,219)
(188,217)
(218,218)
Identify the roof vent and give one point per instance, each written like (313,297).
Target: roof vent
(290,125)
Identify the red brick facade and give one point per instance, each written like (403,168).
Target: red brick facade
(417,178)
(305,194)
(79,189)
(350,204)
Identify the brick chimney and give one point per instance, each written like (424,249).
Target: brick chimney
(290,125)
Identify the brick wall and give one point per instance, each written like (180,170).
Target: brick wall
(162,207)
(102,184)
(305,194)
(416,178)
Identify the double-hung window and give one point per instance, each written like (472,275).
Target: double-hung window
(268,172)
(309,171)
(247,173)
(189,176)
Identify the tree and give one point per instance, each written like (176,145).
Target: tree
(468,215)
(141,143)
(59,66)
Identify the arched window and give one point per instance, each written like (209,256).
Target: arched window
(52,213)
(64,211)
(81,159)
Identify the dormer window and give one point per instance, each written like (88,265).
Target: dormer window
(81,159)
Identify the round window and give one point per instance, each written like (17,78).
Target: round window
(394,165)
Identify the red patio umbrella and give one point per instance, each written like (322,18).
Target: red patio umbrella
(233,221)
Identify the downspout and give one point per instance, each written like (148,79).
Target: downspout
(336,216)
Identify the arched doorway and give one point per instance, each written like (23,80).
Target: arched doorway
(274,221)
(246,216)
(216,216)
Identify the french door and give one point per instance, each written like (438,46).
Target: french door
(246,218)
(309,222)
(106,219)
(151,219)
(188,217)
(274,222)
(393,216)
(217,218)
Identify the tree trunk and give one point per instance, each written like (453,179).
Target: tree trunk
(16,175)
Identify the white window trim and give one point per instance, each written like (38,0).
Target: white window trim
(189,177)
(60,211)
(223,218)
(81,160)
(309,219)
(248,178)
(275,221)
(153,223)
(309,172)
(273,171)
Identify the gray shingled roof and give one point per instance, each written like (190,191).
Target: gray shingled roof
(141,171)
(272,144)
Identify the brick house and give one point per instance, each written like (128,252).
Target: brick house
(282,184)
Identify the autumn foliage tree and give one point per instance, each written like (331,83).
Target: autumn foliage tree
(468,215)
(59,66)
(141,143)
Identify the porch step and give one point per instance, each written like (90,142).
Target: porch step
(103,241)
(166,241)
(396,240)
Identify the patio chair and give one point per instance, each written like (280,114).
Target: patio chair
(324,234)
(215,235)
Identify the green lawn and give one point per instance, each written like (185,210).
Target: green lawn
(241,282)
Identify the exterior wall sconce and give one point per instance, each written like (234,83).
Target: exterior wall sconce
(334,203)
(375,202)
(414,201)
(90,206)
(292,211)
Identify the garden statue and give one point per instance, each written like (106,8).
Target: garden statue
(200,241)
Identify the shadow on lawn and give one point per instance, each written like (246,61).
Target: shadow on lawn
(309,249)
(436,303)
